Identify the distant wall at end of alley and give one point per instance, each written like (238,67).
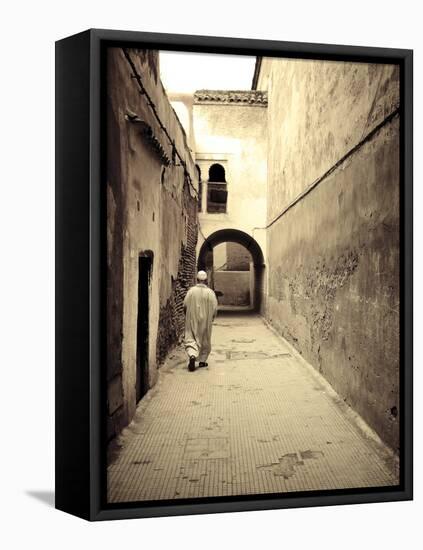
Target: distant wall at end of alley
(333,226)
(234,287)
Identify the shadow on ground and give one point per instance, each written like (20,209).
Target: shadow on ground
(234,311)
(46,497)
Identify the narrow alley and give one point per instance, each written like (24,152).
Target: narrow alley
(257,420)
(292,219)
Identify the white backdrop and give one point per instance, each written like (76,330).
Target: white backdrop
(29,30)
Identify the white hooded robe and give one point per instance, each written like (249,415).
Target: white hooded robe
(200,309)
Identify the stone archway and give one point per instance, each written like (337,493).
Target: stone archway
(244,239)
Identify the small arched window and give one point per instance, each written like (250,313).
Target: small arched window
(217,173)
(217,194)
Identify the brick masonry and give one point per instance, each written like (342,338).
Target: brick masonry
(172,318)
(234,286)
(238,257)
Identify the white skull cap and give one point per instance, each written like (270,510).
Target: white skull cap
(201,275)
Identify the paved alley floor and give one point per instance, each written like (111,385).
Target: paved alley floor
(257,420)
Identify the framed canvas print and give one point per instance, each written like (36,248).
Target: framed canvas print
(233,274)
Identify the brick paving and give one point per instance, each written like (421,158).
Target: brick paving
(259,419)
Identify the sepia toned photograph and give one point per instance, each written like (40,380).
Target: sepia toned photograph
(253,275)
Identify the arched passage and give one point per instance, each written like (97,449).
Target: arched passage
(242,238)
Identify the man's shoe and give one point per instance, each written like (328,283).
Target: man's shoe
(191,364)
(203,364)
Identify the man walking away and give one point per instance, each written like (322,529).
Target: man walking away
(200,307)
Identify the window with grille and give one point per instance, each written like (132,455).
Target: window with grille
(217,193)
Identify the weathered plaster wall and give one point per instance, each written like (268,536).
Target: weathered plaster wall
(317,112)
(182,104)
(151,207)
(333,288)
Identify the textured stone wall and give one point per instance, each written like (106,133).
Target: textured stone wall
(333,240)
(151,210)
(238,257)
(235,287)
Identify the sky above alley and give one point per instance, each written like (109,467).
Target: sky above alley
(187,72)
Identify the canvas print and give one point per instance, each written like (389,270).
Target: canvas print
(253,275)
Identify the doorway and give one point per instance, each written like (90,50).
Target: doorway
(145,264)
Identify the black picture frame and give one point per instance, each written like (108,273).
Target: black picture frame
(80,267)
